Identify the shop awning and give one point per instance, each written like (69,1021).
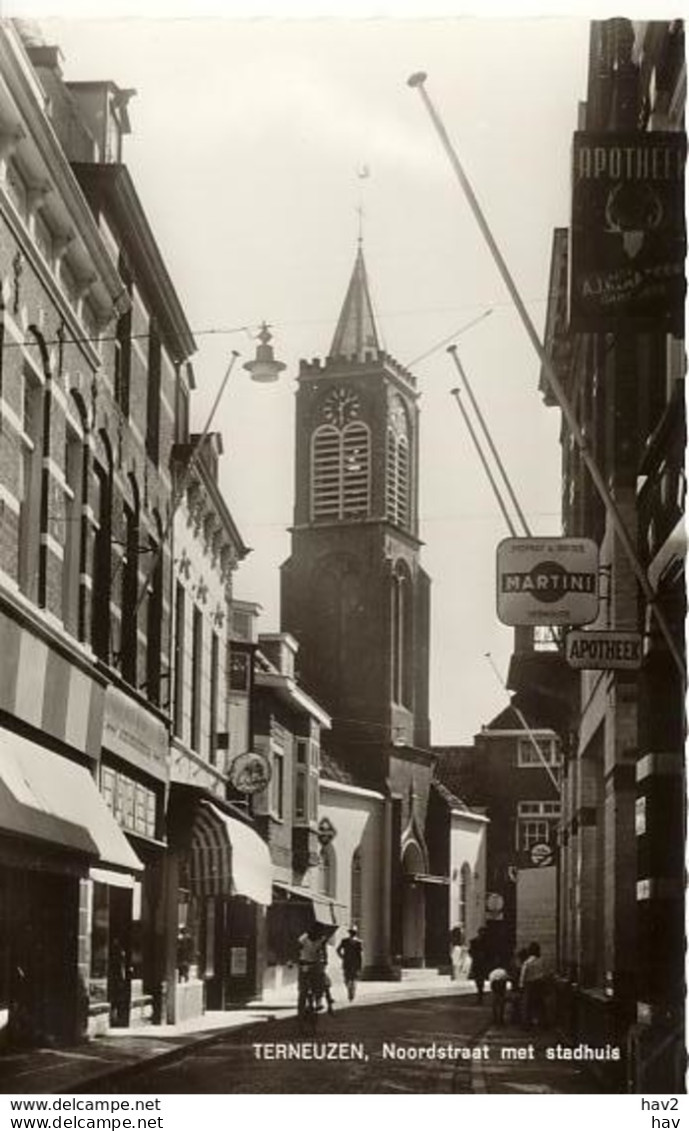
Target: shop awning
(228,857)
(326,911)
(45,797)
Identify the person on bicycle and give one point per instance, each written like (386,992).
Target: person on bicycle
(313,980)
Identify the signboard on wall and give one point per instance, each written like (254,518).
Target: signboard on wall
(628,231)
(249,772)
(135,734)
(543,581)
(604,650)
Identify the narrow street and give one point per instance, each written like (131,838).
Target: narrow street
(379,1048)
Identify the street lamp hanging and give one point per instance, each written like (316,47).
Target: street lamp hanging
(264,367)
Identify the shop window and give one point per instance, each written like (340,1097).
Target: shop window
(100,943)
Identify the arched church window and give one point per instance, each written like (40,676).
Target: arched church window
(325,473)
(401,644)
(356,477)
(340,460)
(397,476)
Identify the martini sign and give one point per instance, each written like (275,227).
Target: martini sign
(543,581)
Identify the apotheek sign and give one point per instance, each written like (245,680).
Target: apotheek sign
(547,581)
(628,231)
(604,650)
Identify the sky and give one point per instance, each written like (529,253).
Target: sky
(249,140)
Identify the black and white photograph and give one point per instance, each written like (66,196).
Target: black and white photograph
(342,598)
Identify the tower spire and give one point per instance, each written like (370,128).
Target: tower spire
(356,333)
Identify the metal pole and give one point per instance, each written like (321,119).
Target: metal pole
(452,350)
(181,487)
(496,491)
(417,81)
(527,729)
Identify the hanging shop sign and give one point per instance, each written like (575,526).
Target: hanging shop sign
(628,232)
(603,650)
(541,854)
(249,772)
(547,581)
(326,831)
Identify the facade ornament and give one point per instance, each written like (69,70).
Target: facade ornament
(9,140)
(326,831)
(202,592)
(219,616)
(228,563)
(60,245)
(37,195)
(183,564)
(17,269)
(216,545)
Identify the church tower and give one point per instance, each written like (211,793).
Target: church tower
(353,590)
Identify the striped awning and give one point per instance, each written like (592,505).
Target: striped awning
(228,857)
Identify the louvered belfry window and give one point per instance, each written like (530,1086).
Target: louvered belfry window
(397,478)
(340,462)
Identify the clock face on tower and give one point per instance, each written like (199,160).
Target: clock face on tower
(340,406)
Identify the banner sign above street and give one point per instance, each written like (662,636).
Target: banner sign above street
(547,581)
(628,235)
(599,650)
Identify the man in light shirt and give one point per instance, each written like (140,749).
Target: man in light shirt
(532,986)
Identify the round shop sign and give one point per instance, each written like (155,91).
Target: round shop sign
(494,901)
(249,772)
(541,854)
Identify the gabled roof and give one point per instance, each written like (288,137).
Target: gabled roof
(451,799)
(356,333)
(332,770)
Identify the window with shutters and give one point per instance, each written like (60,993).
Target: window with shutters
(340,472)
(397,467)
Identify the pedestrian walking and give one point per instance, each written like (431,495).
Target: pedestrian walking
(480,961)
(351,951)
(532,984)
(497,980)
(457,953)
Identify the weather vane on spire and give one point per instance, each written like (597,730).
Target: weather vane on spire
(363,173)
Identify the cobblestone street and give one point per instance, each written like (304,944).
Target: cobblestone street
(393,1040)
